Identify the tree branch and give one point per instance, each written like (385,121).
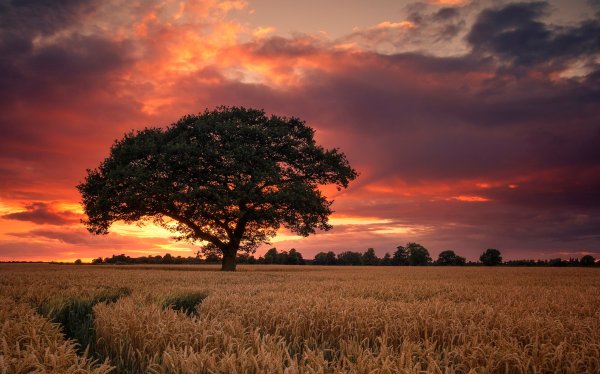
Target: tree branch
(197,231)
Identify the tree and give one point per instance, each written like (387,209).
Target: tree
(272,256)
(211,258)
(78,262)
(587,260)
(387,259)
(370,258)
(294,258)
(323,258)
(400,257)
(349,258)
(227,178)
(491,257)
(417,254)
(448,257)
(558,262)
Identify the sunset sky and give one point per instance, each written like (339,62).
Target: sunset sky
(473,124)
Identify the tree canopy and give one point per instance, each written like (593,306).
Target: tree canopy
(448,257)
(417,254)
(491,257)
(229,178)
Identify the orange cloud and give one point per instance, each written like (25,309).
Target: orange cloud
(470,198)
(394,25)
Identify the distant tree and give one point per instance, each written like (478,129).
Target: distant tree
(323,258)
(168,259)
(246,258)
(523,263)
(294,258)
(557,262)
(272,256)
(387,259)
(349,258)
(117,259)
(369,258)
(212,258)
(491,257)
(230,177)
(587,260)
(77,262)
(448,257)
(97,261)
(417,254)
(400,257)
(282,257)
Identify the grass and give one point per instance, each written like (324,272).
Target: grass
(185,302)
(323,320)
(75,314)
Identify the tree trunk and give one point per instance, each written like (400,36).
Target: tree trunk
(228,260)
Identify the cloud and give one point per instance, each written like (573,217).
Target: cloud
(43,213)
(63,236)
(516,35)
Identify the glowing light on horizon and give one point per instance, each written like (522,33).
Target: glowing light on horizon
(148,230)
(470,198)
(358,221)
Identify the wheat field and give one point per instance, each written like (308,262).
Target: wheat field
(286,319)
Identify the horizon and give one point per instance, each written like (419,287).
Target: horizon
(473,124)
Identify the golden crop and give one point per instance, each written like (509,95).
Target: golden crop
(276,319)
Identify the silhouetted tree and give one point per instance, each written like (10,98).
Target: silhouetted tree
(448,257)
(230,177)
(77,262)
(212,258)
(417,255)
(323,258)
(387,259)
(370,258)
(557,262)
(523,263)
(400,257)
(349,258)
(587,260)
(491,257)
(294,258)
(246,258)
(271,256)
(168,259)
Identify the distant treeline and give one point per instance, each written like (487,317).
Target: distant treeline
(413,254)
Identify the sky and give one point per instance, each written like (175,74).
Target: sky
(473,124)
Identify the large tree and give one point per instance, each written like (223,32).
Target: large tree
(227,178)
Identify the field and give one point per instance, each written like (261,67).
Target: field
(270,319)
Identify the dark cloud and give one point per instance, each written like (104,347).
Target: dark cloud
(43,213)
(42,17)
(446,13)
(278,46)
(517,35)
(68,237)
